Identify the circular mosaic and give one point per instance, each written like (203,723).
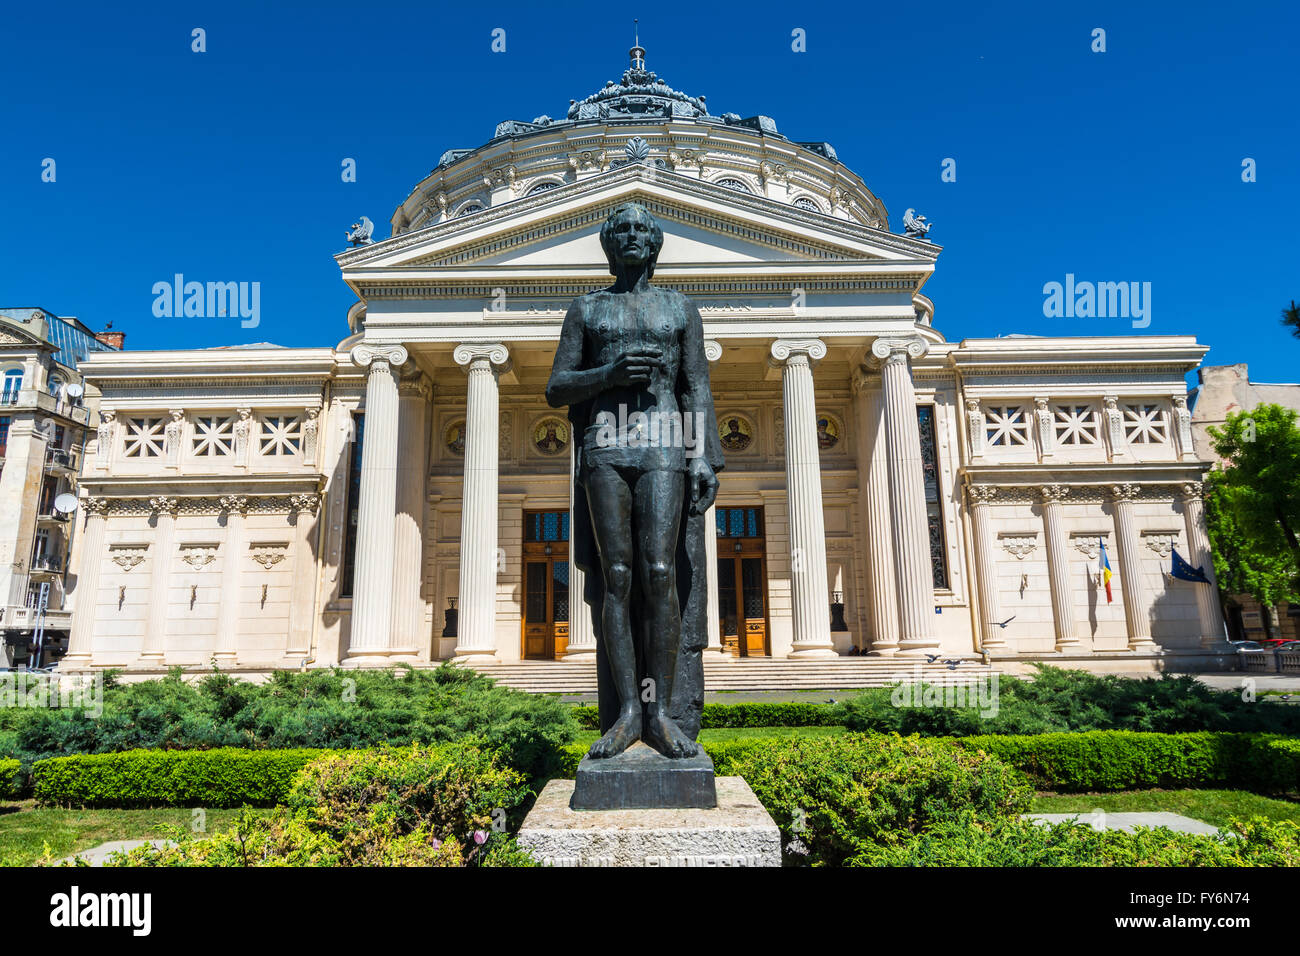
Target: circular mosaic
(551,436)
(454,437)
(828,432)
(735,432)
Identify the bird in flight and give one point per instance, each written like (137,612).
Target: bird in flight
(1003,623)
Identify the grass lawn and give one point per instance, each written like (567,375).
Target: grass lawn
(719,734)
(1214,807)
(26,828)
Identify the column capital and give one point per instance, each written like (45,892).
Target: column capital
(981,494)
(304,503)
(785,349)
(497,354)
(164,505)
(394,355)
(95,507)
(1193,490)
(234,503)
(898,349)
(712,350)
(1125,492)
(1050,493)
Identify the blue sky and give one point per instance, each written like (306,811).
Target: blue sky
(225,165)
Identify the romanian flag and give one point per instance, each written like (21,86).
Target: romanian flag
(1103,571)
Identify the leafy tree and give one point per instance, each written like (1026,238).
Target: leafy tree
(1261,476)
(1291,318)
(1246,564)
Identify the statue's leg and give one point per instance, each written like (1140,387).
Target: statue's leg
(610,500)
(657,509)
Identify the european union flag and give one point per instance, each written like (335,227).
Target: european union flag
(1185,572)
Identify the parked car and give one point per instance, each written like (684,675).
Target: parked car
(1289,646)
(1250,647)
(1275,641)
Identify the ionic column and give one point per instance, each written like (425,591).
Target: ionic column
(409,621)
(581,648)
(810,598)
(992,637)
(913,568)
(877,530)
(1058,565)
(233,550)
(155,634)
(711,613)
(372,639)
(478,513)
(1198,553)
(1137,606)
(81,639)
(713,352)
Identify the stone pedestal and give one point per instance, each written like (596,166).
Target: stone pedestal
(641,778)
(737,832)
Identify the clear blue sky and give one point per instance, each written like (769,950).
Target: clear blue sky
(1121,166)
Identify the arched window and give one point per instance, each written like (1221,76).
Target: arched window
(13,383)
(543,186)
(803,202)
(471,208)
(735,184)
(54,385)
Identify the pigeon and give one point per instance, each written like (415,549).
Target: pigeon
(1003,624)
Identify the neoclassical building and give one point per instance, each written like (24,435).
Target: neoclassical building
(888,492)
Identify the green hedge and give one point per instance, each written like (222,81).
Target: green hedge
(1103,759)
(229,777)
(1128,760)
(745,715)
(10,785)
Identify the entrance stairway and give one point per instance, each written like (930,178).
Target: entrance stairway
(752,674)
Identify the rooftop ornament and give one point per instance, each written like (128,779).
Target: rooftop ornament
(359,234)
(914,226)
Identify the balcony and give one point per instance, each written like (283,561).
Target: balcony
(47,564)
(61,459)
(17,617)
(49,516)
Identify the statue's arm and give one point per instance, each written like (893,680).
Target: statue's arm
(570,384)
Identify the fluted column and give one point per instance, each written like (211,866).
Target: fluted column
(913,568)
(810,598)
(233,553)
(303,510)
(155,634)
(992,637)
(1137,604)
(410,624)
(81,640)
(1058,565)
(582,636)
(478,514)
(713,352)
(877,530)
(1199,556)
(372,639)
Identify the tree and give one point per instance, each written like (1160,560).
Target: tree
(1291,318)
(1261,475)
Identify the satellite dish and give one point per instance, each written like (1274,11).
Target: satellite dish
(75,391)
(65,504)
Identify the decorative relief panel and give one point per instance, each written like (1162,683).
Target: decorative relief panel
(1018,543)
(1161,542)
(268,555)
(198,556)
(127,556)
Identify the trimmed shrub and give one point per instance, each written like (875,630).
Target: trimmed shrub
(229,777)
(316,709)
(1125,760)
(1021,843)
(10,784)
(422,806)
(788,714)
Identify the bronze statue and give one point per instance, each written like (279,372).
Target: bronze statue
(630,365)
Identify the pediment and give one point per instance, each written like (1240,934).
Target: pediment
(703,224)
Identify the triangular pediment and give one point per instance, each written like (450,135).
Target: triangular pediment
(558,232)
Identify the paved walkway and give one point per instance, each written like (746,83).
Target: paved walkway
(96,855)
(1101,820)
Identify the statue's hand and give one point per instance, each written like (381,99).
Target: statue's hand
(635,367)
(704,486)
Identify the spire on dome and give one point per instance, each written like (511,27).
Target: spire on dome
(637,53)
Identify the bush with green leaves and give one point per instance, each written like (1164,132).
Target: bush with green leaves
(10,778)
(420,806)
(834,796)
(1017,842)
(1062,700)
(327,709)
(748,714)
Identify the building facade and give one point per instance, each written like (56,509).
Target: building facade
(887,492)
(43,421)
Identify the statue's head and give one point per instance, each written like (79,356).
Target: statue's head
(631,236)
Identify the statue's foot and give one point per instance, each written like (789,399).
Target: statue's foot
(625,732)
(665,736)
